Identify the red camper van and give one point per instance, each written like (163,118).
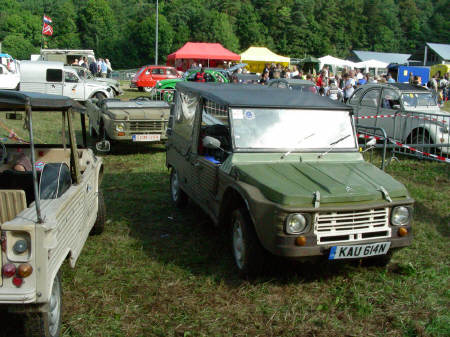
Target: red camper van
(147,76)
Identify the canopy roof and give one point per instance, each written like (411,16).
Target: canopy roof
(362,55)
(18,99)
(371,64)
(258,96)
(334,61)
(204,51)
(262,54)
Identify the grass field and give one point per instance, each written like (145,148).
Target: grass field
(158,271)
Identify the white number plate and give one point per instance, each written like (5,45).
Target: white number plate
(146,138)
(357,251)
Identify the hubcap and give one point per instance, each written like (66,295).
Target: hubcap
(238,244)
(55,309)
(175,186)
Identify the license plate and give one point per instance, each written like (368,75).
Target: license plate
(146,138)
(358,251)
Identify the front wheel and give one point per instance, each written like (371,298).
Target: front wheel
(247,251)
(100,96)
(179,197)
(47,324)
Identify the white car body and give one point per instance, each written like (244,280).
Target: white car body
(8,80)
(54,78)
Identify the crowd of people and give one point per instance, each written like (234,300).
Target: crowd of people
(100,68)
(340,86)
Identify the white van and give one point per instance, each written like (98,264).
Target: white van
(55,78)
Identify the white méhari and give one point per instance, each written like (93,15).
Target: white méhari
(47,209)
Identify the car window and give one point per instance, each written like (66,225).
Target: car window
(54,75)
(356,96)
(141,71)
(170,71)
(390,98)
(418,99)
(157,71)
(184,114)
(70,77)
(371,98)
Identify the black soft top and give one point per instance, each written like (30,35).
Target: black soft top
(408,87)
(239,95)
(11,100)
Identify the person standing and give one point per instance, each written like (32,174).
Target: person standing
(103,68)
(109,68)
(93,68)
(349,84)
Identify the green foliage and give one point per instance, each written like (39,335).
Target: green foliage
(124,30)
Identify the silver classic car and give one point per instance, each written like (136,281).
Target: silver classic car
(407,113)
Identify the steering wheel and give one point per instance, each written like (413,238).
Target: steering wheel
(4,154)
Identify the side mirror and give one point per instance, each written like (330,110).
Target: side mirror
(211,143)
(103,146)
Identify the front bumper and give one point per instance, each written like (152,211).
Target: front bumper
(286,246)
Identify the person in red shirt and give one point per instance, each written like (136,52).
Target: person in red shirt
(200,76)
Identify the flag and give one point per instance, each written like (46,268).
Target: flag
(47,19)
(47,30)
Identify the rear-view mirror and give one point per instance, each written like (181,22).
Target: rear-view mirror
(103,146)
(14,115)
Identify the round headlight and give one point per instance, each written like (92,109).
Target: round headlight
(400,216)
(295,223)
(20,246)
(119,127)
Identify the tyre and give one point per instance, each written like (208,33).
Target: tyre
(248,253)
(99,224)
(423,138)
(47,324)
(179,197)
(147,89)
(100,96)
(140,88)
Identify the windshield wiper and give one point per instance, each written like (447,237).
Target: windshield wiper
(333,144)
(297,144)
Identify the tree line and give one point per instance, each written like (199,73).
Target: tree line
(124,30)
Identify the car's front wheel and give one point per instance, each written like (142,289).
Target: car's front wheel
(247,251)
(47,324)
(179,197)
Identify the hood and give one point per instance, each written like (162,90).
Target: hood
(108,81)
(169,81)
(96,83)
(137,110)
(294,184)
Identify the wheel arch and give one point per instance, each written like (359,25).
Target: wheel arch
(233,198)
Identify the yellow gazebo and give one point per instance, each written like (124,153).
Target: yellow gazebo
(257,57)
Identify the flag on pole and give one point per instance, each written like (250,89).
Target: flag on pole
(47,30)
(47,19)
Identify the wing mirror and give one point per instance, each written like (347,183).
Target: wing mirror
(211,142)
(103,146)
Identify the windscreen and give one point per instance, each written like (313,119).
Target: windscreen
(418,99)
(292,129)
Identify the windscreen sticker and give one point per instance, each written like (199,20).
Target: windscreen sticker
(39,165)
(249,115)
(238,114)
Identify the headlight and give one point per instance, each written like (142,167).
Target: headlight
(120,127)
(296,223)
(400,216)
(108,89)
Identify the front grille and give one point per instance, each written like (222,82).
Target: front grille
(149,126)
(344,226)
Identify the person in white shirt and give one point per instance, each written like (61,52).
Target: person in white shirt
(348,87)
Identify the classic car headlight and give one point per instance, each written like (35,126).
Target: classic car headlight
(108,89)
(400,216)
(120,127)
(296,223)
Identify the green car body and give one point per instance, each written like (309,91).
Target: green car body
(238,153)
(215,76)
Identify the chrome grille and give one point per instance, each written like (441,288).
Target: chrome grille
(347,226)
(140,126)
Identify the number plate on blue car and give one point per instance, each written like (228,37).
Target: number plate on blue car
(358,251)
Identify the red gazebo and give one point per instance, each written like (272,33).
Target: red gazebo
(206,54)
